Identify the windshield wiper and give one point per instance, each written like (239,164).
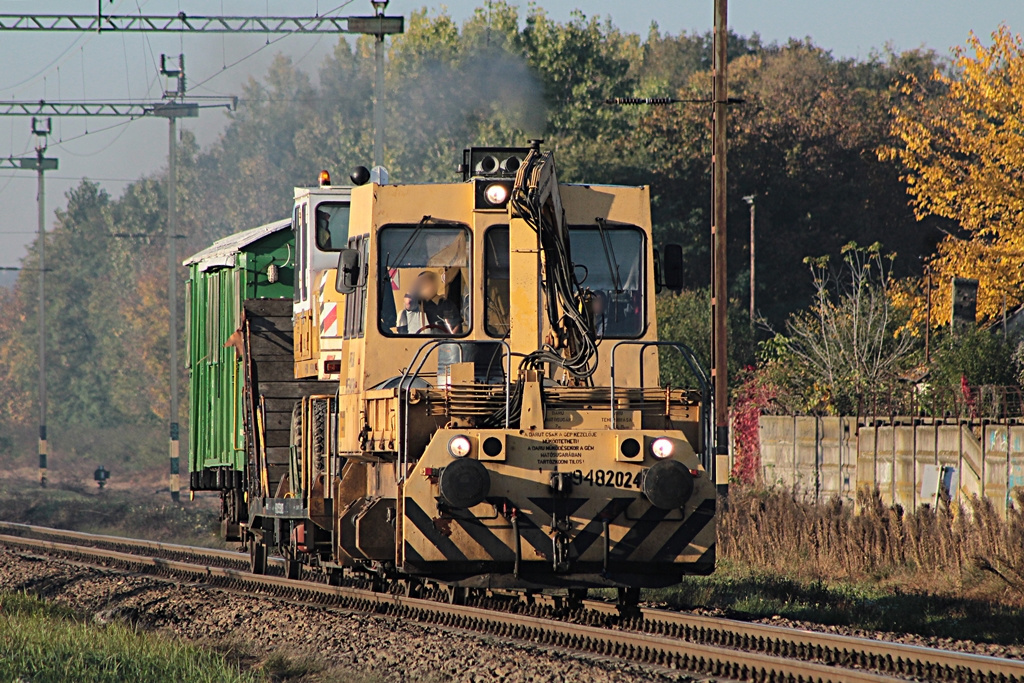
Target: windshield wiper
(613,267)
(407,247)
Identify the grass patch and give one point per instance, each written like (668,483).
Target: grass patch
(41,642)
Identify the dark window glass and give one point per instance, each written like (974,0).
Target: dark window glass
(355,303)
(332,226)
(496,282)
(424,280)
(299,223)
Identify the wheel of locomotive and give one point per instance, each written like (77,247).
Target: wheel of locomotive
(335,577)
(457,595)
(257,557)
(628,601)
(292,569)
(412,588)
(572,601)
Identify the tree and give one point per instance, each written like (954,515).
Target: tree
(804,143)
(963,151)
(686,318)
(846,344)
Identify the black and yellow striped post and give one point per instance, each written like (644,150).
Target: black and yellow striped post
(42,455)
(174,481)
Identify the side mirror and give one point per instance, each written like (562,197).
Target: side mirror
(672,268)
(348,271)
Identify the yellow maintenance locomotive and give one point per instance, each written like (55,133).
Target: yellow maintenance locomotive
(451,383)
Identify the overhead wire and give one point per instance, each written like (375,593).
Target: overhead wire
(46,69)
(59,59)
(105,147)
(262,47)
(85,93)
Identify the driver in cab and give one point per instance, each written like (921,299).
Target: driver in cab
(442,315)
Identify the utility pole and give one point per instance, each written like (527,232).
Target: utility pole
(176,108)
(720,101)
(928,314)
(39,163)
(378,85)
(719,280)
(41,132)
(749,199)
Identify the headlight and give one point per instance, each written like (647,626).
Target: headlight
(662,448)
(496,194)
(459,446)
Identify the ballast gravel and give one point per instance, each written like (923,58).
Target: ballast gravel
(318,643)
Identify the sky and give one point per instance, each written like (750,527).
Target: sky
(76,66)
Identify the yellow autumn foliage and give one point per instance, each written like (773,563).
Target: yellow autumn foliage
(963,151)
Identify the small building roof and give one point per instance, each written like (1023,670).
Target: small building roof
(222,252)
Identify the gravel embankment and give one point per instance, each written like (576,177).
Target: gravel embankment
(332,645)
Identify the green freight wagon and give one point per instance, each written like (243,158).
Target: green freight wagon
(257,264)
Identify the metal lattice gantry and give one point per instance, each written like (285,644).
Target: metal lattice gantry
(126,109)
(182,23)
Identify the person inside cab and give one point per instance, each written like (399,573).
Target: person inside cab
(411,319)
(442,315)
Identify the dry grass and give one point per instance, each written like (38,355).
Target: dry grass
(947,549)
(947,574)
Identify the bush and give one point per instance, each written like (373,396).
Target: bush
(979,356)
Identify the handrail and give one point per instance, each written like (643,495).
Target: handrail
(403,457)
(706,403)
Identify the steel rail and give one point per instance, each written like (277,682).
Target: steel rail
(687,631)
(633,646)
(900,659)
(220,556)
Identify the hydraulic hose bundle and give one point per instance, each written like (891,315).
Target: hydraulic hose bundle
(535,199)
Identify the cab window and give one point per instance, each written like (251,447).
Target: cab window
(425,280)
(331,226)
(614,263)
(611,267)
(496,281)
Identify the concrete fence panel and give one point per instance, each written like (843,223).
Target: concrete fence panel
(828,456)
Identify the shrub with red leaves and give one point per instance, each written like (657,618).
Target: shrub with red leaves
(749,400)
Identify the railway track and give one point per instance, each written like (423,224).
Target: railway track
(701,645)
